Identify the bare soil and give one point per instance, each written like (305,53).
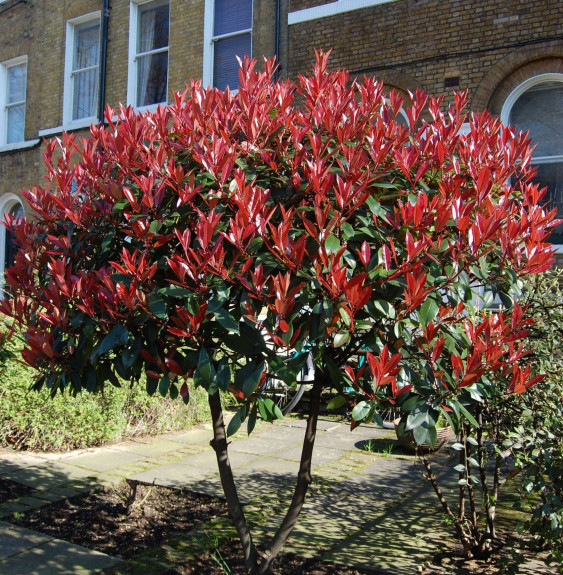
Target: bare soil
(112,522)
(10,490)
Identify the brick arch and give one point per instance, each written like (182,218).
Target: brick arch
(399,81)
(515,68)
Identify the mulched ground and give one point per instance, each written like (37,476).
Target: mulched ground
(100,521)
(10,490)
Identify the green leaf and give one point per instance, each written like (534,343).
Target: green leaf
(227,321)
(249,342)
(341,338)
(248,376)
(203,371)
(332,244)
(384,308)
(252,419)
(417,417)
(412,403)
(458,447)
(156,305)
(266,408)
(428,311)
(223,375)
(361,410)
(423,434)
(175,291)
(468,415)
(236,421)
(155,226)
(116,337)
(460,468)
(152,385)
(163,385)
(131,354)
(336,402)
(472,440)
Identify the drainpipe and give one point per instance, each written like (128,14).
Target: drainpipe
(103,58)
(277,41)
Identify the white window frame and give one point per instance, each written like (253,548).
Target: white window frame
(132,65)
(3,99)
(209,40)
(331,9)
(68,92)
(7,203)
(507,108)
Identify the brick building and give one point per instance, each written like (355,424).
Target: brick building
(61,61)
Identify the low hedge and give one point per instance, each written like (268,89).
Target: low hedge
(33,420)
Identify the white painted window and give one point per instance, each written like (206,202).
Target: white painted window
(536,106)
(82,64)
(228,34)
(148,53)
(9,204)
(13,80)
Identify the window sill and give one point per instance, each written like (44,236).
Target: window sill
(150,108)
(78,125)
(332,9)
(19,145)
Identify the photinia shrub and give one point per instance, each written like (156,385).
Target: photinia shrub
(204,239)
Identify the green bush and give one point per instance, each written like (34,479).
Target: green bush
(537,439)
(32,420)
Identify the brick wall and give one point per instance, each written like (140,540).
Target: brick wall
(429,43)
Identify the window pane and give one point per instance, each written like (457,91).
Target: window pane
(87,46)
(153,27)
(85,94)
(232,15)
(16,124)
(152,79)
(540,111)
(226,67)
(16,83)
(10,246)
(551,176)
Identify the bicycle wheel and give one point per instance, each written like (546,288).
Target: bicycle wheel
(285,396)
(389,415)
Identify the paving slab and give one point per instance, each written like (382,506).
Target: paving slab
(150,447)
(104,459)
(54,557)
(259,445)
(321,455)
(396,542)
(200,435)
(49,474)
(174,475)
(14,540)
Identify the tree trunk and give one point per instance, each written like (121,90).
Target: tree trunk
(219,444)
(303,482)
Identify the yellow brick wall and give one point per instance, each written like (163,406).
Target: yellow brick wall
(411,43)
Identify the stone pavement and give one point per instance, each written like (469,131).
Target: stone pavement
(365,509)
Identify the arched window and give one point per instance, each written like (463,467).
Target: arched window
(536,106)
(9,204)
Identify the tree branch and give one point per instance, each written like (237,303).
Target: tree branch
(219,444)
(303,481)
